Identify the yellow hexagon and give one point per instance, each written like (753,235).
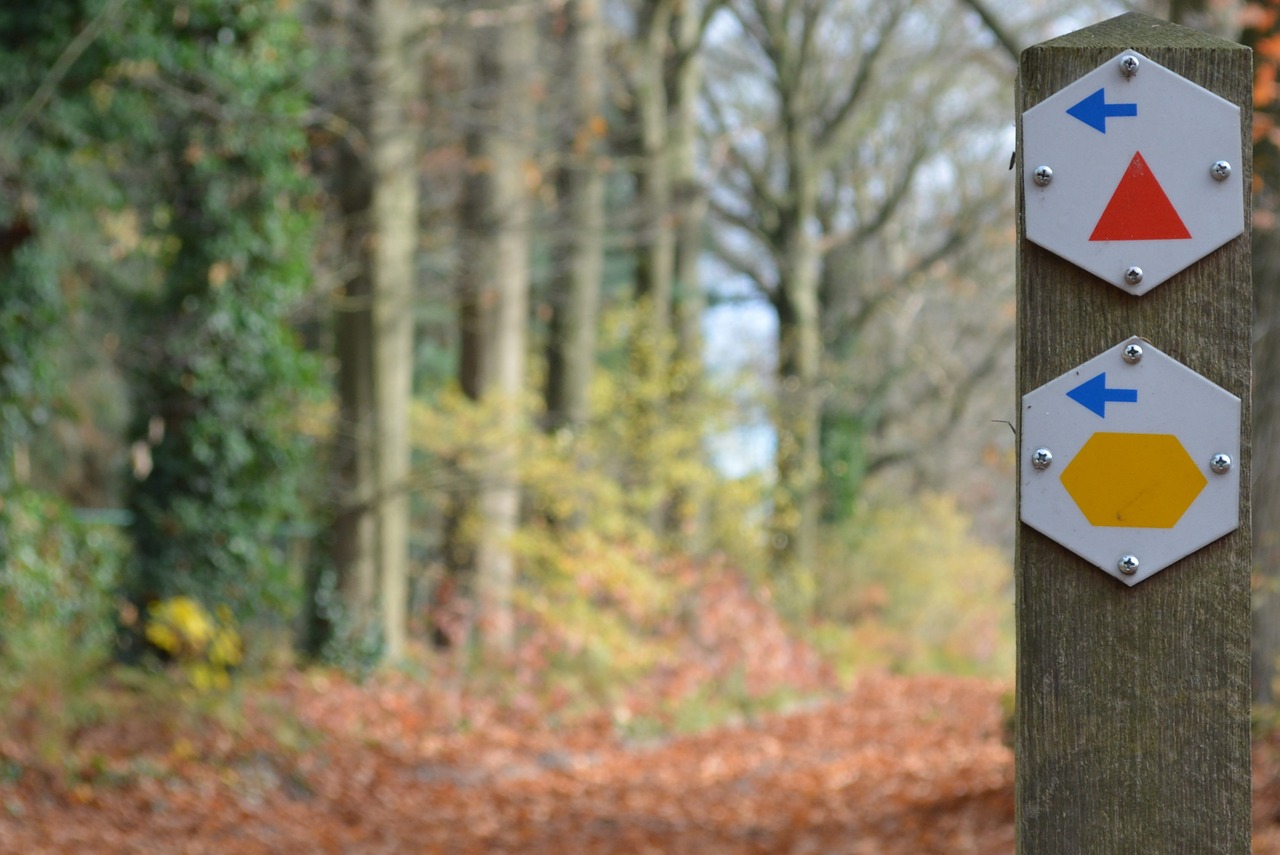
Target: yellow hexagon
(1137,480)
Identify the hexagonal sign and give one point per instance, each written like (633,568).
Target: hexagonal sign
(1129,460)
(1132,172)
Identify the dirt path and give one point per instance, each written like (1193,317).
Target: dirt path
(900,765)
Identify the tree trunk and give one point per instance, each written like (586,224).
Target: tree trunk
(579,236)
(355,526)
(689,203)
(794,525)
(495,280)
(394,152)
(655,260)
(374,329)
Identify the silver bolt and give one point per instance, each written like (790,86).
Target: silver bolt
(1221,463)
(1041,458)
(1133,275)
(1128,564)
(1133,353)
(1220,170)
(1128,65)
(1043,175)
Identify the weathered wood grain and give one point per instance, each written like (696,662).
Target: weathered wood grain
(1133,703)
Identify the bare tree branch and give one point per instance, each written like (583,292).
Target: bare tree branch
(685,51)
(740,262)
(828,136)
(1003,37)
(73,51)
(888,206)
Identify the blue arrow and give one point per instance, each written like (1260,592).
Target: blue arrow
(1094,395)
(1094,111)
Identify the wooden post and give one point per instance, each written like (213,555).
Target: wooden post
(1132,732)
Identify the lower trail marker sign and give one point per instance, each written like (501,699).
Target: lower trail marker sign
(1130,460)
(1132,571)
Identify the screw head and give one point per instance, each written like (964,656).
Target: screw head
(1221,463)
(1128,65)
(1133,353)
(1043,175)
(1220,170)
(1133,275)
(1128,564)
(1041,458)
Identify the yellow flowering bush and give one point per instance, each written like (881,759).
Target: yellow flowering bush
(206,646)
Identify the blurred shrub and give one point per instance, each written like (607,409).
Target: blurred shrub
(604,504)
(587,586)
(58,577)
(206,647)
(909,588)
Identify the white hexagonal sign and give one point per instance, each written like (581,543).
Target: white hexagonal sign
(1129,460)
(1132,172)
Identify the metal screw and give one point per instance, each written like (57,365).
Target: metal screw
(1041,458)
(1220,170)
(1221,463)
(1133,275)
(1128,564)
(1128,65)
(1043,175)
(1132,353)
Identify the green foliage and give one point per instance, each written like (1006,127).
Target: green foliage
(57,582)
(37,183)
(909,588)
(330,634)
(29,320)
(843,464)
(162,174)
(217,373)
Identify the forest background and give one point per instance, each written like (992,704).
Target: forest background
(394,331)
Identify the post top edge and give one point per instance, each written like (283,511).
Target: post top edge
(1137,31)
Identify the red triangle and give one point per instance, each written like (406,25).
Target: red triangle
(1139,209)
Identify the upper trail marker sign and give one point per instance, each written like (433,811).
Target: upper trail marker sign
(1132,172)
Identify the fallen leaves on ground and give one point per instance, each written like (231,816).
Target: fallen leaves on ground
(896,765)
(436,762)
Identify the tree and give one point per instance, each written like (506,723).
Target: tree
(860,221)
(394,152)
(776,157)
(689,25)
(39,57)
(578,236)
(493,288)
(661,56)
(376,187)
(215,372)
